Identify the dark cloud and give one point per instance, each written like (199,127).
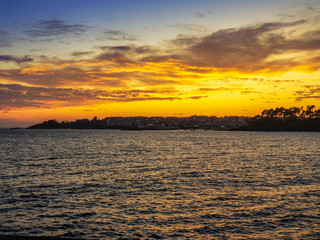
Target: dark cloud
(135,99)
(249,92)
(219,89)
(128,49)
(159,58)
(152,79)
(197,97)
(116,35)
(243,90)
(116,57)
(54,28)
(118,48)
(284,81)
(245,48)
(309,92)
(242,49)
(18,60)
(81,53)
(61,73)
(199,70)
(182,41)
(203,14)
(19,96)
(125,54)
(62,77)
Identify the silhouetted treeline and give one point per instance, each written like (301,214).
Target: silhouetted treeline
(285,119)
(78,124)
(148,123)
(278,119)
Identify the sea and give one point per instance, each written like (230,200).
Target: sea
(179,184)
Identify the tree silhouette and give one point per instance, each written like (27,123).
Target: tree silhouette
(286,119)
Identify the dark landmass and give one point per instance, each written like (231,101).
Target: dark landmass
(278,119)
(285,119)
(147,123)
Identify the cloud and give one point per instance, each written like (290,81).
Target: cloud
(176,62)
(81,53)
(60,75)
(309,92)
(116,57)
(107,69)
(242,90)
(4,39)
(245,48)
(128,49)
(125,54)
(18,60)
(188,27)
(219,89)
(203,14)
(249,91)
(54,28)
(197,97)
(116,35)
(184,41)
(13,96)
(186,60)
(119,48)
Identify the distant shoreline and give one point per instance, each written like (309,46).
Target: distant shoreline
(294,119)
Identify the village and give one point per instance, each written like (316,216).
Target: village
(151,123)
(174,123)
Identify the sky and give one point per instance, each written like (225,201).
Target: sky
(76,59)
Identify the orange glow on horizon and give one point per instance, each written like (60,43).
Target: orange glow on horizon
(64,71)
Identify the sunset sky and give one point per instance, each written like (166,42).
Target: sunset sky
(74,59)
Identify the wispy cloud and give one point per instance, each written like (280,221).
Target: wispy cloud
(129,49)
(81,53)
(54,28)
(218,89)
(241,89)
(197,97)
(18,60)
(59,75)
(309,92)
(4,39)
(116,35)
(246,49)
(203,14)
(188,27)
(14,96)
(228,55)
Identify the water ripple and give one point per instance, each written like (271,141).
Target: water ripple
(91,184)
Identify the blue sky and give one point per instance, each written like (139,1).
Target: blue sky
(150,22)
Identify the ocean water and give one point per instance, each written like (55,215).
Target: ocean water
(109,184)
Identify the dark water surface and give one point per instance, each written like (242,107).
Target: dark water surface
(104,184)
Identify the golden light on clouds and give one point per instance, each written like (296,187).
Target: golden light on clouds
(232,71)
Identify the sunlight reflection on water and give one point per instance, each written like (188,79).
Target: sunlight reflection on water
(160,184)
